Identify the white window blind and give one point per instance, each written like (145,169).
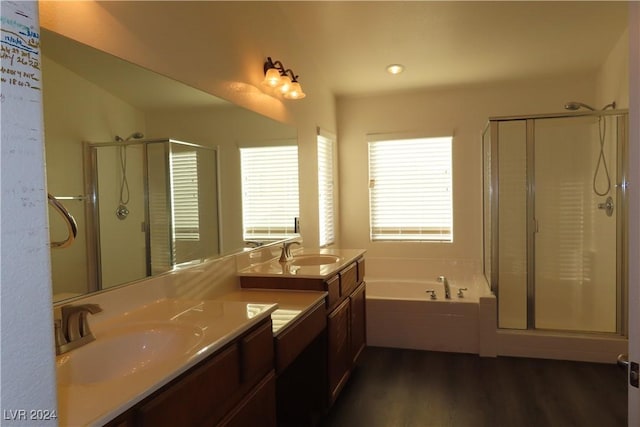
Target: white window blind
(410,189)
(325,191)
(269,192)
(184,185)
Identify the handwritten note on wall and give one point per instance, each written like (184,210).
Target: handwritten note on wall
(20,109)
(20,52)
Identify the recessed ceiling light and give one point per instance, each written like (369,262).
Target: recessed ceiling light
(395,68)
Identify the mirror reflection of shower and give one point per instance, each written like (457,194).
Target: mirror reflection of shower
(174,207)
(601,164)
(122,211)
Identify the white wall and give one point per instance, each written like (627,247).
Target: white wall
(461,110)
(27,378)
(613,76)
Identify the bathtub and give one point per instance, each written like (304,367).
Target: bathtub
(401,314)
(414,290)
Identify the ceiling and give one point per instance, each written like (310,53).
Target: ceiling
(346,46)
(450,43)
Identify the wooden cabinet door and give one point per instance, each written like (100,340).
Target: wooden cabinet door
(339,348)
(203,393)
(257,409)
(358,322)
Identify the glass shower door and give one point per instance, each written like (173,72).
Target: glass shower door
(512,228)
(118,175)
(575,234)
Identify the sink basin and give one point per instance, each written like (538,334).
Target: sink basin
(126,351)
(314,259)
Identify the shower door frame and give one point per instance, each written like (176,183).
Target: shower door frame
(620,186)
(94,256)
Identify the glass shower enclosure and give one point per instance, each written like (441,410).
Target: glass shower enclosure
(554,220)
(153,204)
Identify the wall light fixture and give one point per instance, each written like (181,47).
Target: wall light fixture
(282,80)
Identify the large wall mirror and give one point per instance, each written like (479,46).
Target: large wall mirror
(131,128)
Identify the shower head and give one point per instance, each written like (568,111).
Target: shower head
(135,135)
(574,105)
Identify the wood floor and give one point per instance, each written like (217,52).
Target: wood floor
(408,388)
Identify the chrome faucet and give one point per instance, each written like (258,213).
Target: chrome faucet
(447,289)
(72,330)
(286,251)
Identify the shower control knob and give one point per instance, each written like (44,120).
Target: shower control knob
(607,206)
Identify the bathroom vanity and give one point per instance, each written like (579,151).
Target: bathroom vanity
(342,278)
(172,361)
(276,351)
(235,386)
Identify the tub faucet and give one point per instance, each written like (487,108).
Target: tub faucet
(286,251)
(72,330)
(447,289)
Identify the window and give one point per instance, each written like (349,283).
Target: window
(184,185)
(269,192)
(410,195)
(326,216)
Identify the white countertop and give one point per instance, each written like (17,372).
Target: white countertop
(217,323)
(274,268)
(291,304)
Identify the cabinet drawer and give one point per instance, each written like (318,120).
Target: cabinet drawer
(204,393)
(257,353)
(298,336)
(348,280)
(295,283)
